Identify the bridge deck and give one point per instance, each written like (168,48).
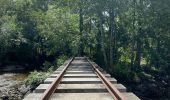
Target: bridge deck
(80,82)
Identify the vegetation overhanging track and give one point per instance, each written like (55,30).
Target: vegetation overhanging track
(50,90)
(111,88)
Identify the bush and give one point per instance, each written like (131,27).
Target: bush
(61,60)
(145,76)
(51,66)
(47,65)
(121,70)
(35,78)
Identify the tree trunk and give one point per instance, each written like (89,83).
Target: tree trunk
(102,39)
(115,45)
(111,31)
(133,39)
(138,51)
(90,28)
(158,52)
(90,25)
(138,54)
(132,54)
(81,48)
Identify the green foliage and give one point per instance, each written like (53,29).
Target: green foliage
(47,66)
(124,36)
(145,76)
(43,30)
(35,78)
(61,60)
(122,72)
(51,66)
(51,69)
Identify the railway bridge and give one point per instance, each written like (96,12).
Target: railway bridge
(80,79)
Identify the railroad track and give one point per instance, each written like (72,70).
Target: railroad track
(80,79)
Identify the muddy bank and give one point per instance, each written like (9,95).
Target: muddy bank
(12,86)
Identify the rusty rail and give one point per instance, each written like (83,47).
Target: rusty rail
(51,89)
(111,88)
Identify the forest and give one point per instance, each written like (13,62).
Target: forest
(128,38)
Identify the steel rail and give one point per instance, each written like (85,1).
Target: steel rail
(115,93)
(53,86)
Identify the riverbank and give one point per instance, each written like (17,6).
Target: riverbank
(12,86)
